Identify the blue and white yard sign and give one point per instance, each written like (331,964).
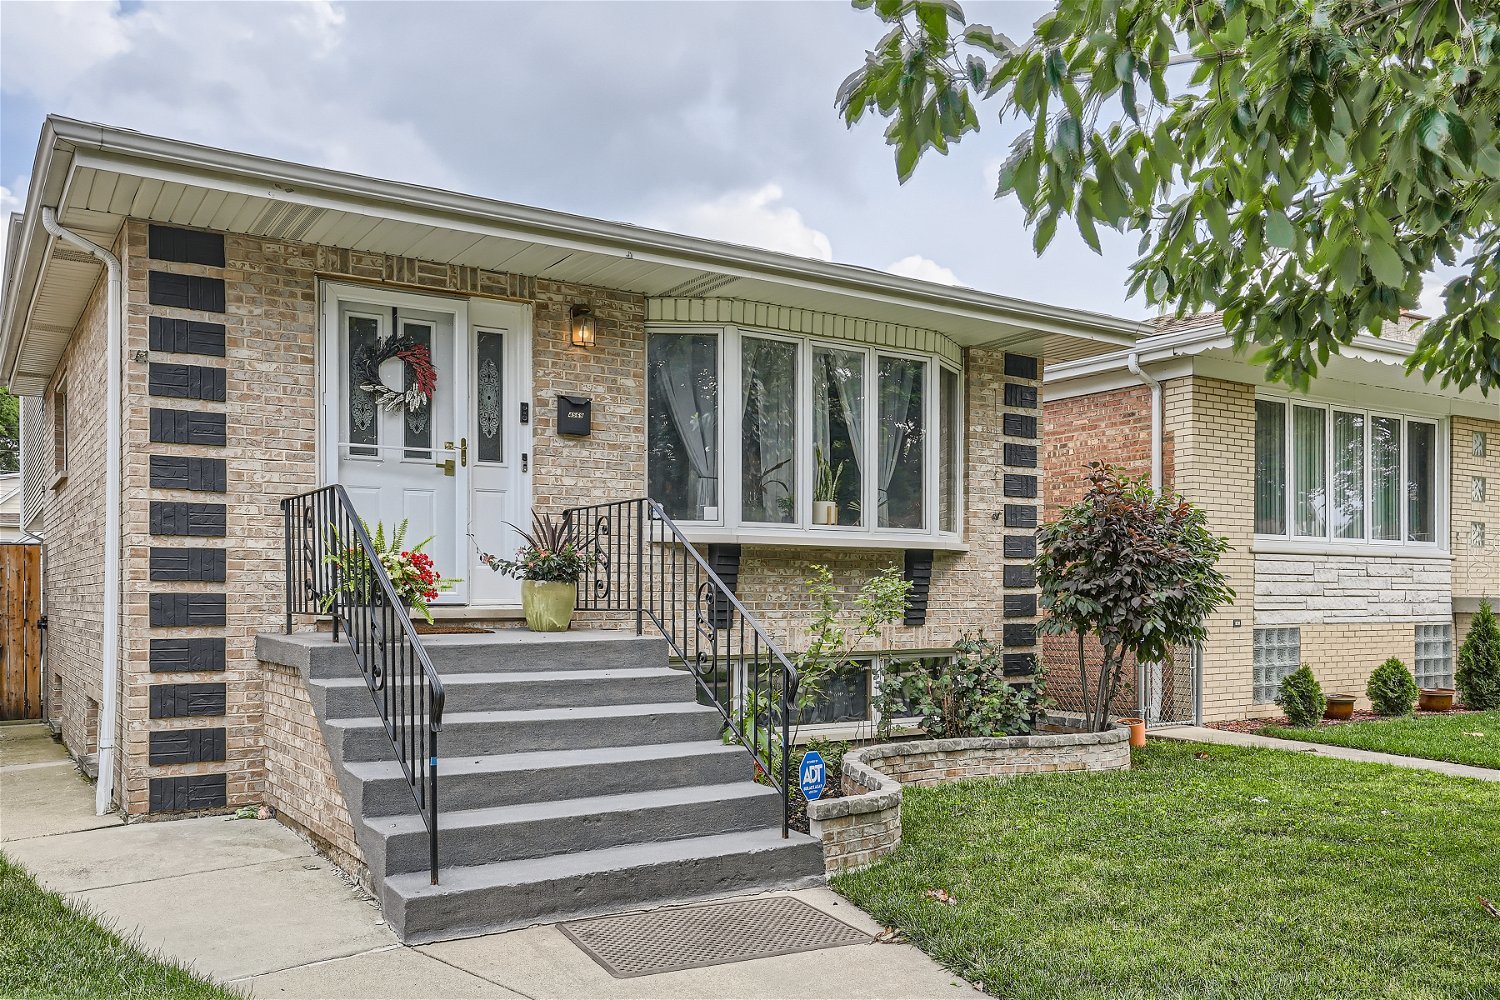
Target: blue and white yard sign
(812,775)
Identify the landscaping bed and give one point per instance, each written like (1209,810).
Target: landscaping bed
(50,949)
(1204,871)
(1456,737)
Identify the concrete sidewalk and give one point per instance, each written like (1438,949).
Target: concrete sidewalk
(248,903)
(1203,734)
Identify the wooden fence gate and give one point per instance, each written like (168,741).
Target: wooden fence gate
(20,639)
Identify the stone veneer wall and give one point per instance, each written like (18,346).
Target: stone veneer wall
(1328,589)
(865,824)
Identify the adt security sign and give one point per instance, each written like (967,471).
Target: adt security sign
(812,775)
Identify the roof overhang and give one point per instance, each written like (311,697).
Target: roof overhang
(97,176)
(1369,365)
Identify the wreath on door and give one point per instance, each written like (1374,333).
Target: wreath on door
(421,376)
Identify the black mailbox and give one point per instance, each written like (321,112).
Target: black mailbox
(575,415)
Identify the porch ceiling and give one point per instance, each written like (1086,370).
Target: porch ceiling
(97,177)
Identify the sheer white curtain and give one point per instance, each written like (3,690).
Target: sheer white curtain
(839,381)
(900,381)
(769,429)
(687,382)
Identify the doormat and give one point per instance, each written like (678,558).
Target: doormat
(695,937)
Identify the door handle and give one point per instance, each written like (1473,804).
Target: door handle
(463,454)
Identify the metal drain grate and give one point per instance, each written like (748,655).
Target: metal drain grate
(692,937)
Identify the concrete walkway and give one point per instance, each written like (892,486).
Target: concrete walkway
(248,903)
(1203,734)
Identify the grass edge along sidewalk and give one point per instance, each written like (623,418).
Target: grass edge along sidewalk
(1450,738)
(50,947)
(1205,871)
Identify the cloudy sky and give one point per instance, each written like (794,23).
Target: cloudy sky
(714,119)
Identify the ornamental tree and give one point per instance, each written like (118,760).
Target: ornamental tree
(1136,570)
(1478,676)
(1301,172)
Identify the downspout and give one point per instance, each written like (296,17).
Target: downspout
(110,672)
(1149,675)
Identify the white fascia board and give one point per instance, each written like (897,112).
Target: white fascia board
(286,181)
(1111,380)
(27,246)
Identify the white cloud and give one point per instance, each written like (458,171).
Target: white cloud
(919,267)
(755,218)
(50,46)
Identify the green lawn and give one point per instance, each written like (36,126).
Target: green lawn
(1435,737)
(50,949)
(1205,871)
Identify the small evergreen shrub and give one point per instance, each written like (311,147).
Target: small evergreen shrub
(1478,676)
(1392,689)
(1301,698)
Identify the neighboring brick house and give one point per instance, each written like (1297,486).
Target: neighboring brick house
(718,376)
(1364,515)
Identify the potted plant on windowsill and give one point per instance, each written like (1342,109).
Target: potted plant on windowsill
(411,571)
(826,489)
(548,566)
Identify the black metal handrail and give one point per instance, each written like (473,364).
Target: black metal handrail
(640,561)
(324,537)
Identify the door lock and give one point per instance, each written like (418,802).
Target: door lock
(446,465)
(463,453)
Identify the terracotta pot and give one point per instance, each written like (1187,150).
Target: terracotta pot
(1435,699)
(548,606)
(825,512)
(1340,706)
(1137,729)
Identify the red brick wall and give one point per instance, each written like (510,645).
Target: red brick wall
(1113,426)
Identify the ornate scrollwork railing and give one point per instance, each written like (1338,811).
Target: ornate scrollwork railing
(641,562)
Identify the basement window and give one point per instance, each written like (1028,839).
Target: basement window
(1434,662)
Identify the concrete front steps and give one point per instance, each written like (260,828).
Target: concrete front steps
(577,775)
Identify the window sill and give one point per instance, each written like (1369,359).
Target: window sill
(840,731)
(59,480)
(710,535)
(1369,550)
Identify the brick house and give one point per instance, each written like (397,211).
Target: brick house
(189,325)
(1364,515)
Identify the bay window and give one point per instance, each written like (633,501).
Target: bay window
(1340,474)
(767,432)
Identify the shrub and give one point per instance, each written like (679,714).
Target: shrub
(968,696)
(1478,677)
(1301,698)
(1392,689)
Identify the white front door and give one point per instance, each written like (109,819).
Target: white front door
(455,470)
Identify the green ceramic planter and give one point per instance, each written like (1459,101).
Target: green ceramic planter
(548,606)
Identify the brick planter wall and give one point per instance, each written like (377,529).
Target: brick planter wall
(865,824)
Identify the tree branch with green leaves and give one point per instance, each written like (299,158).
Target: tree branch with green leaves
(1316,161)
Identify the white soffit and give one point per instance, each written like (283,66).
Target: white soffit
(99,177)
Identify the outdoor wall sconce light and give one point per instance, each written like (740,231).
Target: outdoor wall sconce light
(582,326)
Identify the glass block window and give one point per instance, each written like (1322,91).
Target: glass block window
(1434,656)
(1278,652)
(1476,534)
(1479,488)
(1481,444)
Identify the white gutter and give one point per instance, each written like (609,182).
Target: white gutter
(110,656)
(1133,362)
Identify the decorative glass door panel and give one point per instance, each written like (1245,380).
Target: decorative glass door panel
(500,462)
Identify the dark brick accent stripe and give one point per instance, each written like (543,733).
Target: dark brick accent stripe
(1017,664)
(1020,396)
(1018,425)
(193,791)
(1020,546)
(1017,634)
(174,656)
(187,609)
(187,746)
(1022,455)
(203,475)
(1020,605)
(1020,366)
(180,701)
(1018,516)
(187,564)
(1020,486)
(185,246)
(185,291)
(187,427)
(1015,576)
(186,381)
(917,567)
(206,520)
(186,336)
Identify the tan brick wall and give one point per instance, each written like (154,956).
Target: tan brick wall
(75,529)
(300,781)
(1476,571)
(1343,657)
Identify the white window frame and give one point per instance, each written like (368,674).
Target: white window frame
(729,525)
(1328,539)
